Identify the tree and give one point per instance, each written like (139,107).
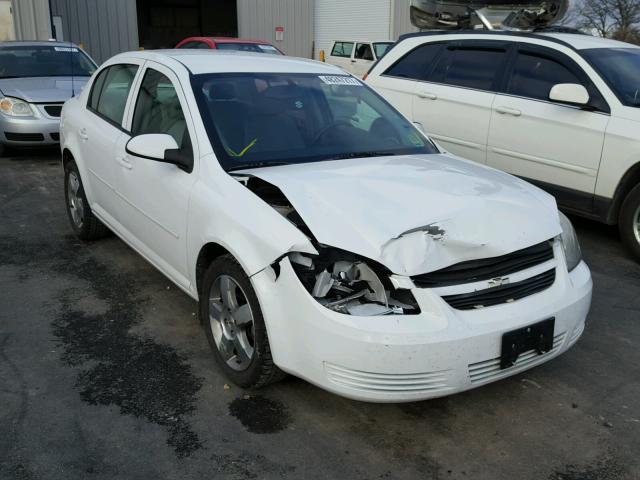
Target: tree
(617,19)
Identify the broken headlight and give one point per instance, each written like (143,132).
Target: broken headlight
(570,244)
(348,284)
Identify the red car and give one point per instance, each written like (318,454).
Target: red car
(228,43)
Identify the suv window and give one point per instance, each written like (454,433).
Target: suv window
(363,51)
(417,63)
(534,75)
(342,49)
(110,91)
(470,67)
(158,109)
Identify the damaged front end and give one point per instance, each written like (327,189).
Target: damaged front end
(339,280)
(345,283)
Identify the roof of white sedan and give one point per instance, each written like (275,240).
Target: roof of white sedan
(215,61)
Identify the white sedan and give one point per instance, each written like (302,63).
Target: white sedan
(322,233)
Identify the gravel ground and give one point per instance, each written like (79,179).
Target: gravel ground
(105,373)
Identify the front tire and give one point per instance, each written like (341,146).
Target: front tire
(84,223)
(629,222)
(234,325)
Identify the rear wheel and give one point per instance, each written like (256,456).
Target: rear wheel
(629,222)
(84,223)
(235,327)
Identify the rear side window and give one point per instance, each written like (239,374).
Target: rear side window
(534,75)
(364,52)
(110,91)
(417,63)
(342,49)
(475,67)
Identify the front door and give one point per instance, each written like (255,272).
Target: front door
(544,141)
(156,193)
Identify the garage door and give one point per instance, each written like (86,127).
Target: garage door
(350,20)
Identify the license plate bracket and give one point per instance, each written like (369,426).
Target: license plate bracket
(538,337)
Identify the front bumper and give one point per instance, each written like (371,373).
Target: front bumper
(38,130)
(402,358)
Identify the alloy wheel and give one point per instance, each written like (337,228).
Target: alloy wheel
(232,323)
(75,201)
(636,224)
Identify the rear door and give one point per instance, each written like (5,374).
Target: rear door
(341,55)
(533,137)
(454,103)
(102,130)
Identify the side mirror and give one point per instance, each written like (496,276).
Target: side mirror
(571,93)
(161,148)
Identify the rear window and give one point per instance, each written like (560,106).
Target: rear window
(472,67)
(342,49)
(416,63)
(248,47)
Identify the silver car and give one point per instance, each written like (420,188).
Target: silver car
(36,78)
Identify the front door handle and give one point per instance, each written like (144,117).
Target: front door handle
(427,95)
(509,111)
(124,162)
(82,133)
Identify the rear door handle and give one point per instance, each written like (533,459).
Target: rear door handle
(427,95)
(124,162)
(83,134)
(509,111)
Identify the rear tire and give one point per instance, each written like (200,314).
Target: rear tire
(84,223)
(234,325)
(629,222)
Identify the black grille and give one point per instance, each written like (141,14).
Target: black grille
(24,137)
(487,268)
(503,294)
(55,136)
(53,110)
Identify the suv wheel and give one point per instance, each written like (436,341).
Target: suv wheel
(234,325)
(629,222)
(84,223)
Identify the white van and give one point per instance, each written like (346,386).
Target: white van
(356,57)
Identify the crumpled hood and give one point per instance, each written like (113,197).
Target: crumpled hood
(42,89)
(416,214)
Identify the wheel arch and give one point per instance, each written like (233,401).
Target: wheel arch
(629,180)
(208,253)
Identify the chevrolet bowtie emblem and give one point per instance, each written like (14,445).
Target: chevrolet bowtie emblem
(498,281)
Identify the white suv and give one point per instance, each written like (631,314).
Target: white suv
(559,110)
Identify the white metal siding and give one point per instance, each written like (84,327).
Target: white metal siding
(104,27)
(401,19)
(350,20)
(32,20)
(259,19)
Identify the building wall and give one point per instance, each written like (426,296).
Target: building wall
(401,20)
(31,19)
(103,27)
(259,19)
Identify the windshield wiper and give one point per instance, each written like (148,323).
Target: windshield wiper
(362,155)
(244,166)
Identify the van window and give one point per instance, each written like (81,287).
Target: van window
(417,63)
(534,75)
(342,49)
(364,52)
(474,67)
(110,91)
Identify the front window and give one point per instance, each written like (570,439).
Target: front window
(381,48)
(620,67)
(262,119)
(44,61)
(248,47)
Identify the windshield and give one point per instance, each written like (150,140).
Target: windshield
(381,48)
(44,61)
(620,67)
(248,47)
(262,119)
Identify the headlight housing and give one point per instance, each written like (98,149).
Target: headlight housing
(351,285)
(15,107)
(570,244)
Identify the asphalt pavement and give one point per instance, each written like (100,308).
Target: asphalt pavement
(105,373)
